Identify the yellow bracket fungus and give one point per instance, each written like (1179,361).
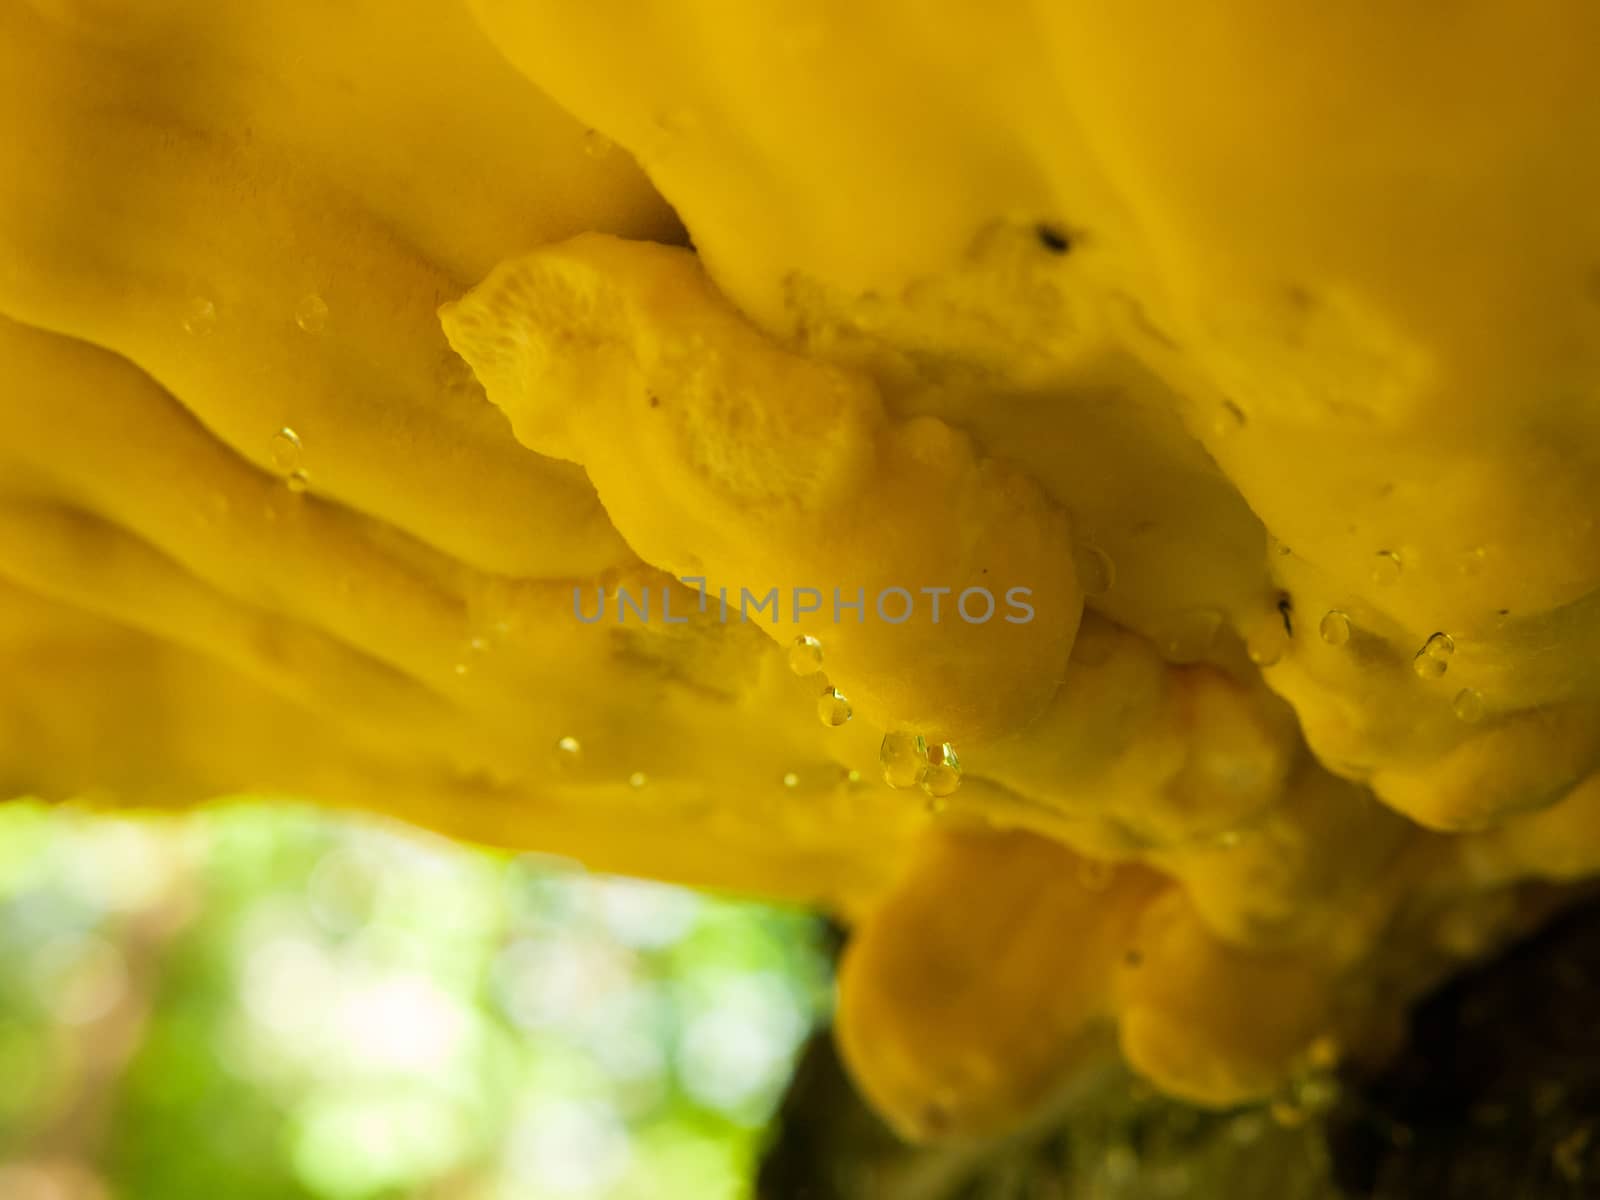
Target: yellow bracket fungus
(405,405)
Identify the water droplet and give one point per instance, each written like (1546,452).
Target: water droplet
(1268,641)
(1387,569)
(1433,659)
(597,144)
(297,481)
(1468,705)
(1335,627)
(638,779)
(791,780)
(462,668)
(943,776)
(1191,634)
(286,451)
(852,776)
(199,316)
(833,709)
(805,655)
(311,314)
(1095,875)
(904,758)
(1097,574)
(569,751)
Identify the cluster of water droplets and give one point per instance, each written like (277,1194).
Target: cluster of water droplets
(1432,661)
(805,659)
(908,761)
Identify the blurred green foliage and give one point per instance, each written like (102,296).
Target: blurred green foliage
(264,1001)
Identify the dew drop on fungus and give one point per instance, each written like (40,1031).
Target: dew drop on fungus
(286,451)
(805,655)
(311,314)
(1097,574)
(568,751)
(833,709)
(791,780)
(597,144)
(943,775)
(1268,642)
(1468,705)
(1427,667)
(1335,627)
(1387,569)
(904,758)
(297,481)
(1433,660)
(638,779)
(199,316)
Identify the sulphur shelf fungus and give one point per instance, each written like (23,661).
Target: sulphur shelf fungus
(345,346)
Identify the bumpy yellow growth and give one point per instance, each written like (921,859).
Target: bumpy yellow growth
(1259,347)
(722,458)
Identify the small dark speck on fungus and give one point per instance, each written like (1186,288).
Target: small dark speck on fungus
(1053,238)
